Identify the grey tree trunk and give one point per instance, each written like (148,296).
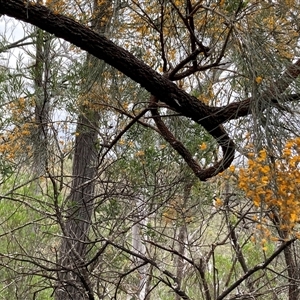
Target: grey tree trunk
(41,113)
(181,240)
(139,247)
(74,278)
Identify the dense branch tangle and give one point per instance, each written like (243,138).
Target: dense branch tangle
(161,87)
(196,44)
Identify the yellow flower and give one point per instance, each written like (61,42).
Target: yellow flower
(289,144)
(258,79)
(218,202)
(263,154)
(140,153)
(265,180)
(265,169)
(294,217)
(203,146)
(287,152)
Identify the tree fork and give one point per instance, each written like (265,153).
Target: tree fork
(125,62)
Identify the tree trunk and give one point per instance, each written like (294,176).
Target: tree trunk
(139,247)
(291,263)
(74,278)
(181,239)
(293,273)
(41,112)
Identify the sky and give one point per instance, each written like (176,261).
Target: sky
(11,31)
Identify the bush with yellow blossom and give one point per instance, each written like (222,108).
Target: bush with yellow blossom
(274,185)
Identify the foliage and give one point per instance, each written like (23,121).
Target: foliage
(221,82)
(273,184)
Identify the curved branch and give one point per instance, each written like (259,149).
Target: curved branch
(159,86)
(125,62)
(102,48)
(190,29)
(218,133)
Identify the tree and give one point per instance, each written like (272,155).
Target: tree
(242,54)
(155,83)
(84,172)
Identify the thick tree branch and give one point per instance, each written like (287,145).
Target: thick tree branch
(240,109)
(122,60)
(223,140)
(156,84)
(102,48)
(159,86)
(272,95)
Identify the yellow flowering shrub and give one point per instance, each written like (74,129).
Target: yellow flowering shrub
(274,185)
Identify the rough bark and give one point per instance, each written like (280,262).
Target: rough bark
(41,77)
(104,49)
(159,86)
(74,278)
(293,273)
(292,267)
